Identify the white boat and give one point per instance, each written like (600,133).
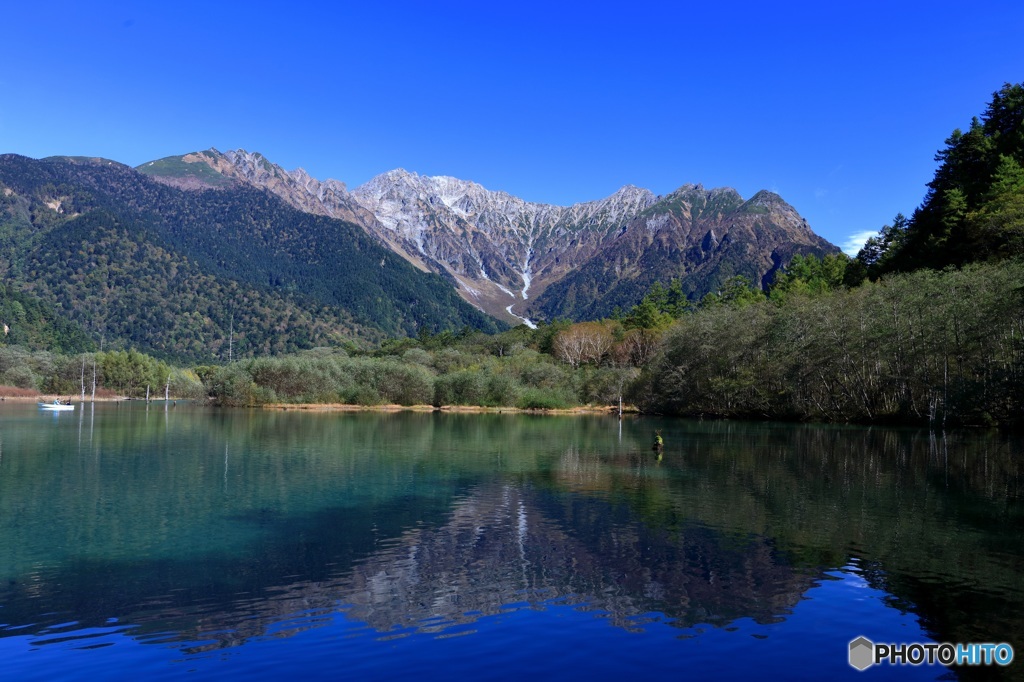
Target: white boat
(56,407)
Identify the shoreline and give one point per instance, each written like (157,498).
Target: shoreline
(452,409)
(49,398)
(345,407)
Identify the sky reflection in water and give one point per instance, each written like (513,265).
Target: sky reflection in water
(253,545)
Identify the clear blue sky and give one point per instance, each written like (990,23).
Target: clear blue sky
(838,107)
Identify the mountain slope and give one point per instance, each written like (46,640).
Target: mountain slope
(240,236)
(105,272)
(701,237)
(515,258)
(26,320)
(501,249)
(497,249)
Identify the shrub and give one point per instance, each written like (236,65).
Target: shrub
(544,399)
(502,390)
(233,385)
(464,387)
(403,384)
(543,375)
(186,385)
(22,377)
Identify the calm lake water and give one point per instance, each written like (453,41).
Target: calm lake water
(179,542)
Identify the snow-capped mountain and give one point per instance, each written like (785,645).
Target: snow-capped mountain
(501,249)
(503,253)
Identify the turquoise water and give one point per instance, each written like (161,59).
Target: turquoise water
(178,542)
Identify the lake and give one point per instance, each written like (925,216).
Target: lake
(183,542)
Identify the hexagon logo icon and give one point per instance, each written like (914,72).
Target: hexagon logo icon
(862,653)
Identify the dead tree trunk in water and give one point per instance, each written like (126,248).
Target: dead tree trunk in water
(94,372)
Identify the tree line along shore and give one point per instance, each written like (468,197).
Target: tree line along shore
(924,326)
(929,347)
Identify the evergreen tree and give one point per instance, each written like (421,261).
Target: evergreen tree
(810,275)
(970,211)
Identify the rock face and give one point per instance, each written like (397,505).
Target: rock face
(329,198)
(502,250)
(516,259)
(698,236)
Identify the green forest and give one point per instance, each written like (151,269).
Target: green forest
(924,326)
(180,274)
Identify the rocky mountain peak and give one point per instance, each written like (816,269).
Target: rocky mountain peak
(630,191)
(298,188)
(488,240)
(767,199)
(503,252)
(623,197)
(689,189)
(724,192)
(396,175)
(254,166)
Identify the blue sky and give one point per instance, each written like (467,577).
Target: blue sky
(838,107)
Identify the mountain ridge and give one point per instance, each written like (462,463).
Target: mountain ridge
(503,253)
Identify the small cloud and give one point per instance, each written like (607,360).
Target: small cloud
(855,242)
(820,193)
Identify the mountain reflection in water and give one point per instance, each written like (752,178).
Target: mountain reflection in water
(213,529)
(500,545)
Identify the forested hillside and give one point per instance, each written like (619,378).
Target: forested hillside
(166,270)
(29,322)
(974,206)
(106,273)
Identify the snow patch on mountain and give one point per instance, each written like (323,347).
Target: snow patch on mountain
(503,251)
(457,222)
